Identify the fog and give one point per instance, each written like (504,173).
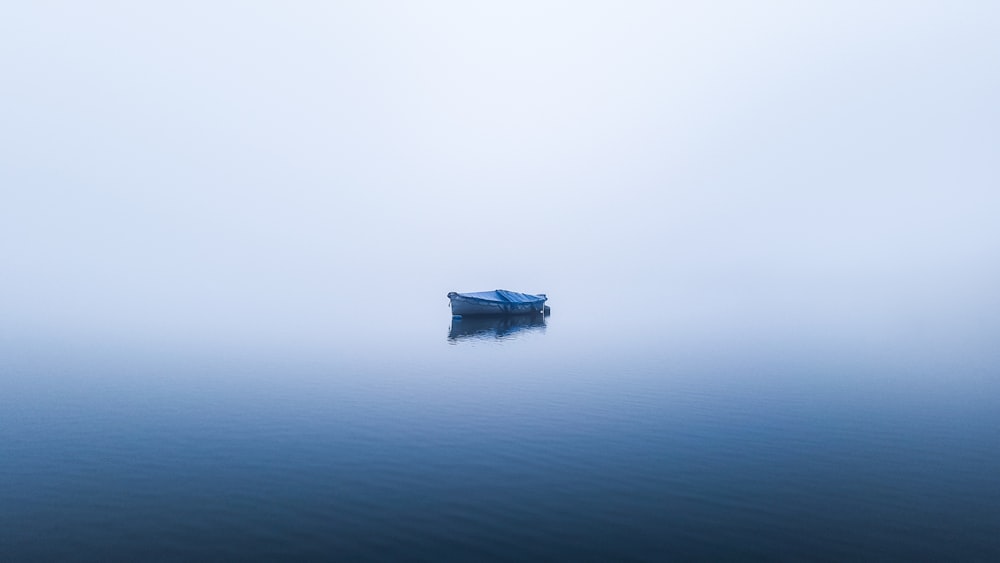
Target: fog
(218,170)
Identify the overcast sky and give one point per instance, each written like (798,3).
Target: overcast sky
(177,160)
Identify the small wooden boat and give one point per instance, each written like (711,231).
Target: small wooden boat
(497,302)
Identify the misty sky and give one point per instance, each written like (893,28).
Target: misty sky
(163,162)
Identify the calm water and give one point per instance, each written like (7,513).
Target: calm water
(603,432)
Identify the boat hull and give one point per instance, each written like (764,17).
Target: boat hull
(471,306)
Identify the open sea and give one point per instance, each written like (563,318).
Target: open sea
(609,430)
(769,233)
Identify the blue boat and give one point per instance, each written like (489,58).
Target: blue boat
(496,302)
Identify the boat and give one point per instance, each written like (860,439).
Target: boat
(494,327)
(496,302)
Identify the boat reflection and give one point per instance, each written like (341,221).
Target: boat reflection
(489,328)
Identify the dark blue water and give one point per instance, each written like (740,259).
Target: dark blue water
(603,432)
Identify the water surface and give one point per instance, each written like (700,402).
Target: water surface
(600,432)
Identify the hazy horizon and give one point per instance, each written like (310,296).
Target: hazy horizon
(768,233)
(179,168)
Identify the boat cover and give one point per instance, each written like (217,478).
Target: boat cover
(504,296)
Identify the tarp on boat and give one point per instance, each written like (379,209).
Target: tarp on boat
(504,296)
